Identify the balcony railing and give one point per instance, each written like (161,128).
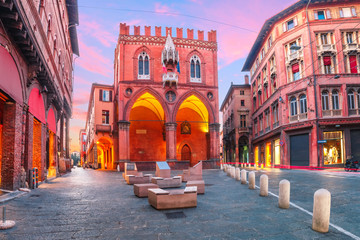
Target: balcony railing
(326,48)
(298,117)
(295,55)
(354,111)
(275,124)
(331,113)
(351,47)
(103,128)
(170,77)
(267,129)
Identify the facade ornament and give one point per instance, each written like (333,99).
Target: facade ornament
(169,60)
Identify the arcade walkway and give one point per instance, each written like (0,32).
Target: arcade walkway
(88,204)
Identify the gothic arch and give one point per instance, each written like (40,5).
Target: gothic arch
(203,99)
(143,48)
(202,69)
(130,103)
(182,144)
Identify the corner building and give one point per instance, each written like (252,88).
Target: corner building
(305,84)
(166,98)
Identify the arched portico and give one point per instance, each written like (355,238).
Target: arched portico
(105,152)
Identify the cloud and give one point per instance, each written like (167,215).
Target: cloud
(81,97)
(92,60)
(79,114)
(164,9)
(94,29)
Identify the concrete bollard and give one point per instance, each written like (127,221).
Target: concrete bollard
(237,174)
(228,170)
(321,211)
(233,170)
(251,180)
(264,183)
(284,194)
(243,176)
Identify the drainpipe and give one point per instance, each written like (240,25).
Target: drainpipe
(314,76)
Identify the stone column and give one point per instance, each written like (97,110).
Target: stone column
(170,129)
(124,141)
(214,141)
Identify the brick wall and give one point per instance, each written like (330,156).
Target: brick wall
(11,138)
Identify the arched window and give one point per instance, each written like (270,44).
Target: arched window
(351,101)
(325,100)
(195,69)
(303,105)
(293,106)
(335,99)
(144,71)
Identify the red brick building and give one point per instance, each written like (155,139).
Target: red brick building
(166,97)
(82,143)
(237,111)
(100,149)
(305,84)
(37,42)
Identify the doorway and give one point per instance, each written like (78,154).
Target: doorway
(186,153)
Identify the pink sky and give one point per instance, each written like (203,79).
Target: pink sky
(99,28)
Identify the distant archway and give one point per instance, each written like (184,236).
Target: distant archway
(105,153)
(243,149)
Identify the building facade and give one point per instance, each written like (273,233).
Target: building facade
(166,98)
(37,43)
(82,143)
(99,128)
(237,110)
(305,85)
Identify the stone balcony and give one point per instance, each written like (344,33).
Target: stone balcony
(351,48)
(326,48)
(103,128)
(298,117)
(170,77)
(295,55)
(331,113)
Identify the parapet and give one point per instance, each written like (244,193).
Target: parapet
(125,30)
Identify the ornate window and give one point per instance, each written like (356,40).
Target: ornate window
(335,100)
(293,106)
(303,105)
(195,69)
(143,67)
(325,100)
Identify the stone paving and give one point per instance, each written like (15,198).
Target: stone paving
(89,204)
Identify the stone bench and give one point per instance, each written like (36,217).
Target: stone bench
(141,190)
(171,199)
(167,182)
(193,173)
(132,179)
(200,184)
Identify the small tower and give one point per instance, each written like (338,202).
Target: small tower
(169,59)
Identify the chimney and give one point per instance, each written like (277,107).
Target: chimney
(246,79)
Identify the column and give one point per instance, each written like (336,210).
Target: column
(124,141)
(214,141)
(170,129)
(67,141)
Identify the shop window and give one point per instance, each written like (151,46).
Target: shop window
(268,154)
(277,152)
(333,148)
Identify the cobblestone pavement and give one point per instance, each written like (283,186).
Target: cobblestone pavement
(88,204)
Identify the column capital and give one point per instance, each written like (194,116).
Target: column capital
(170,126)
(214,127)
(123,125)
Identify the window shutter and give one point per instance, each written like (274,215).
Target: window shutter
(100,95)
(328,14)
(353,10)
(316,16)
(110,97)
(341,13)
(284,27)
(295,21)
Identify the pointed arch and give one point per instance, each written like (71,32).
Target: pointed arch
(138,94)
(202,98)
(150,62)
(198,65)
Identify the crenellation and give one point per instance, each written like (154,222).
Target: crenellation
(190,33)
(200,35)
(147,30)
(168,31)
(179,32)
(125,30)
(136,30)
(157,31)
